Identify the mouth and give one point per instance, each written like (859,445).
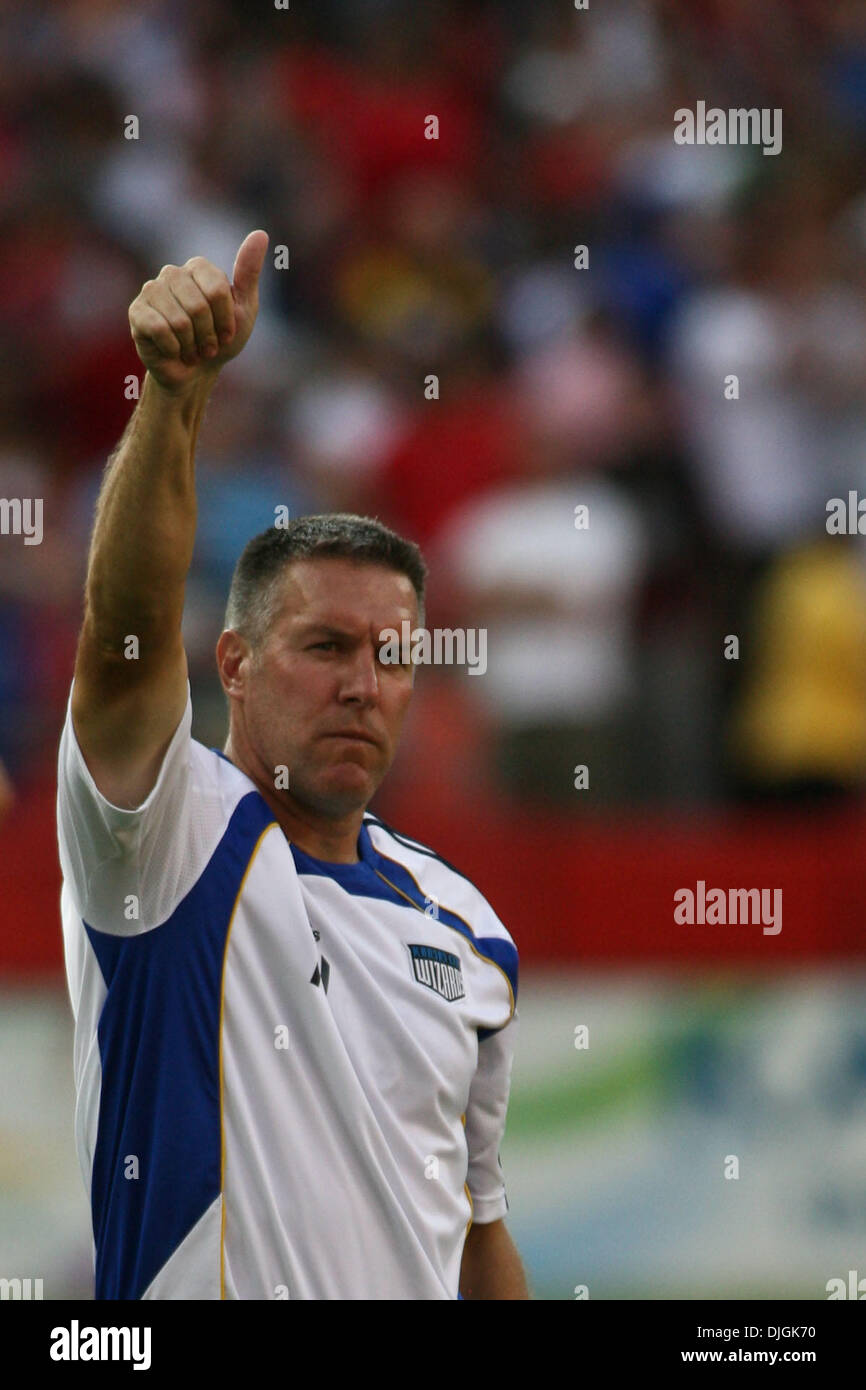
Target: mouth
(354,736)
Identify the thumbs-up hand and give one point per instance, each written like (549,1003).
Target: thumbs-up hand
(188,322)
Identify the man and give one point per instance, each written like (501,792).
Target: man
(294,1027)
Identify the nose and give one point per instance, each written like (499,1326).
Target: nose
(361,679)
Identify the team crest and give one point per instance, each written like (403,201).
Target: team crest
(438,970)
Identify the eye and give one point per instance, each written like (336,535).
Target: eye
(323,646)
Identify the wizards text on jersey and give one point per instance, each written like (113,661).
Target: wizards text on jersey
(438,970)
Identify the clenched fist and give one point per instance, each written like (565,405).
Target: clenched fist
(190,321)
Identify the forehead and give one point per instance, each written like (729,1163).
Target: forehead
(337,591)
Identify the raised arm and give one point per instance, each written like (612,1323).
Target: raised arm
(130,668)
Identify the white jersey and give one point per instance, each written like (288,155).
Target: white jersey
(291,1076)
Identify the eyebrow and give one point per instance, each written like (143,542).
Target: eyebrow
(308,629)
(312,629)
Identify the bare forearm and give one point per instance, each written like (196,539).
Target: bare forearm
(144,530)
(492,1268)
(128,699)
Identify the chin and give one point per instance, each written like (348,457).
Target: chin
(337,806)
(340,795)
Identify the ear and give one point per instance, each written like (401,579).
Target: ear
(233,653)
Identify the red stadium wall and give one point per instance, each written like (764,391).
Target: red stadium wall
(593,893)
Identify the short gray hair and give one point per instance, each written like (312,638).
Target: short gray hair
(252,597)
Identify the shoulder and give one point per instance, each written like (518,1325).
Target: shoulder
(201,810)
(440,881)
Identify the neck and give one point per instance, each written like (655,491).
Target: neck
(334,839)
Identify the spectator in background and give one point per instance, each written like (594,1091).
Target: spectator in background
(552,567)
(420,297)
(38,588)
(341,425)
(798,727)
(769,365)
(793,334)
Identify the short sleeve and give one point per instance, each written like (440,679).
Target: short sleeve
(485,1123)
(123,868)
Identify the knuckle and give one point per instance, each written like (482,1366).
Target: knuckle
(216,291)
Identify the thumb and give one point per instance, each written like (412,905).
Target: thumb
(248,264)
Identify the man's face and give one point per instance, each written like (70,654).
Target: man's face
(316,698)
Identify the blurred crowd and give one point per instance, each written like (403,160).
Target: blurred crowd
(563,380)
